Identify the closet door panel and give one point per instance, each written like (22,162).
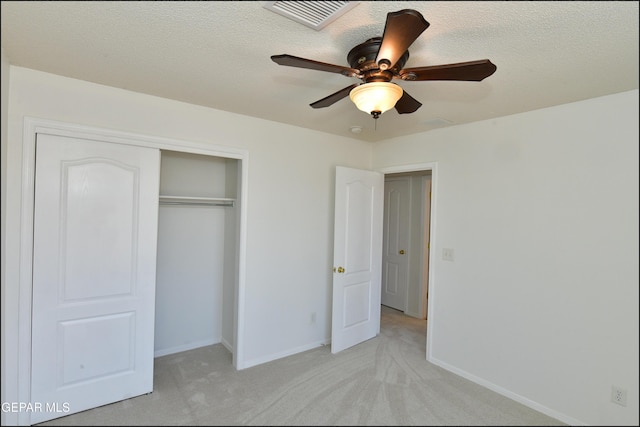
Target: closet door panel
(95,233)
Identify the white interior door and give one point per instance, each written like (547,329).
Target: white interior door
(357,257)
(395,258)
(94,259)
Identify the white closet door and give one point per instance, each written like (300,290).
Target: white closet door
(94,259)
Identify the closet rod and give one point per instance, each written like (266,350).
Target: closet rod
(196,201)
(225,204)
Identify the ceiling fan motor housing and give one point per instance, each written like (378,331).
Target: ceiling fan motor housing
(363,58)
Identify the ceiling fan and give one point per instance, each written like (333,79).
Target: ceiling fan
(379,60)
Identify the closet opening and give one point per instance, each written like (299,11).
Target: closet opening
(196,272)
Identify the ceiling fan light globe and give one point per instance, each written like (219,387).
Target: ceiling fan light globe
(375,96)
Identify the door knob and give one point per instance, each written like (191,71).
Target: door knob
(340,270)
(401,252)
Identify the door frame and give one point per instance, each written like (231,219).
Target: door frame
(33,126)
(431,285)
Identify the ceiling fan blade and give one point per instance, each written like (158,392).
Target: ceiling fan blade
(407,104)
(474,71)
(294,61)
(400,31)
(333,98)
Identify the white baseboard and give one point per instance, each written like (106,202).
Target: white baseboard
(291,352)
(507,393)
(185,347)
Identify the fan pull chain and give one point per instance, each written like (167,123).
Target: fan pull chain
(375,114)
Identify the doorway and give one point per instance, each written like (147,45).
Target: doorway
(406,232)
(419,299)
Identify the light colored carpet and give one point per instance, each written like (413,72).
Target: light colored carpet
(383,381)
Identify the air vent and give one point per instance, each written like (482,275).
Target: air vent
(313,14)
(437,122)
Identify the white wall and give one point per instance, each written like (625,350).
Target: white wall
(290,200)
(231,238)
(4,75)
(541,210)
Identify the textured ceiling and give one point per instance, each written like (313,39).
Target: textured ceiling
(217,54)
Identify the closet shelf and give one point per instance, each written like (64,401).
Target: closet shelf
(196,201)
